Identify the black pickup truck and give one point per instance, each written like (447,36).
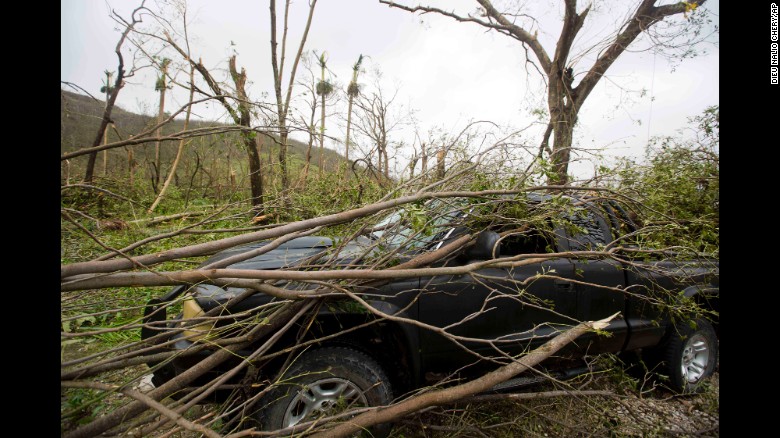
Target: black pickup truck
(516,285)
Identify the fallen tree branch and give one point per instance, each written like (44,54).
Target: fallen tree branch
(536,395)
(189,277)
(160,219)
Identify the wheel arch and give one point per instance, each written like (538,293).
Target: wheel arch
(707,297)
(393,344)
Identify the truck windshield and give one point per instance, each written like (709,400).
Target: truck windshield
(417,226)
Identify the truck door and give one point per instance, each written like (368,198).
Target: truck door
(599,281)
(513,307)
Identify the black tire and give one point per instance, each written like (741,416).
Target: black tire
(330,375)
(690,355)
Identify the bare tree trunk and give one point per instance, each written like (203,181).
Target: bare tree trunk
(160,117)
(172,172)
(322,132)
(349,124)
(440,155)
(563,131)
(379,158)
(105,153)
(387,162)
(90,166)
(423,158)
(311,141)
(255,172)
(353,90)
(283,156)
(412,165)
(130,166)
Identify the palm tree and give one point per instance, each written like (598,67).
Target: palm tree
(324,88)
(160,86)
(353,90)
(107,89)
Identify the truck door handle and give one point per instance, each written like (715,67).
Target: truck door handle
(561,284)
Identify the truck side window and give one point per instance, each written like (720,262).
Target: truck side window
(587,232)
(524,240)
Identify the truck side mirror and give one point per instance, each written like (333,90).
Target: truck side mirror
(485,247)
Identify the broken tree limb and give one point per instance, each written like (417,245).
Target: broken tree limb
(160,219)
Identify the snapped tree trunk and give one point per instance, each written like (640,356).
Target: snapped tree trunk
(440,156)
(106,120)
(249,137)
(161,87)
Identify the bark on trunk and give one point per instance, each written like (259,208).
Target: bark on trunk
(349,124)
(440,156)
(322,133)
(160,117)
(563,131)
(249,138)
(283,156)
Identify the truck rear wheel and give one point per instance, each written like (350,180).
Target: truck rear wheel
(690,355)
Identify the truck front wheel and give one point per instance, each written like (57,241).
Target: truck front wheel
(323,382)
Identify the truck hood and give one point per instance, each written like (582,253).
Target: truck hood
(287,254)
(290,254)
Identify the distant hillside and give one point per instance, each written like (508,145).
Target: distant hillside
(80,119)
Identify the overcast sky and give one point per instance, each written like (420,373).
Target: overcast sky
(448,72)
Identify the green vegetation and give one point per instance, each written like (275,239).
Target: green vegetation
(679,186)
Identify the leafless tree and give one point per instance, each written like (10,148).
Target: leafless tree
(113,90)
(567,86)
(161,86)
(278,63)
(378,115)
(312,102)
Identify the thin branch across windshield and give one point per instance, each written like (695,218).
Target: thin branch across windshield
(417,226)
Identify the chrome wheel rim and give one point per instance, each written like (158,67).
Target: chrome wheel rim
(695,357)
(321,397)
